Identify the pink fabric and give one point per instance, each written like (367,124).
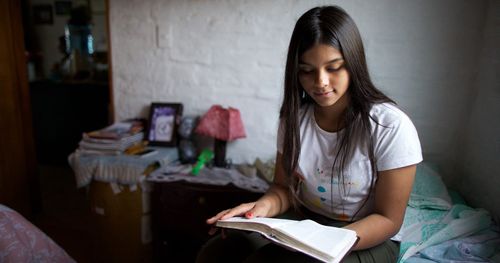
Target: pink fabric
(222,124)
(21,241)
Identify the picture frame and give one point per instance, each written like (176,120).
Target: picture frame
(42,15)
(164,119)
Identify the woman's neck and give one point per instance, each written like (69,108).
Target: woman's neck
(331,118)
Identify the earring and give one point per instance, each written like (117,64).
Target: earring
(303,94)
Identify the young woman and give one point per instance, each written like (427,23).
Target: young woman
(346,154)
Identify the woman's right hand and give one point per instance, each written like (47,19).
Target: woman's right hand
(249,210)
(274,202)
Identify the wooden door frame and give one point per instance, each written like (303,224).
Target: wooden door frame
(111,109)
(17,61)
(21,106)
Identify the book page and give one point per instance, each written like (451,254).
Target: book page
(329,240)
(328,244)
(270,222)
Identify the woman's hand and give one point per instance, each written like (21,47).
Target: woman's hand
(274,202)
(249,210)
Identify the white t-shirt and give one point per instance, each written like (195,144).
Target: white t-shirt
(396,145)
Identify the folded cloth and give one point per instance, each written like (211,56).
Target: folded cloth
(429,190)
(429,194)
(461,221)
(432,219)
(121,169)
(480,247)
(211,176)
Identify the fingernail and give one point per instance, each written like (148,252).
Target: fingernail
(249,215)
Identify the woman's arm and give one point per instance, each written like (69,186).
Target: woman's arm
(392,192)
(274,202)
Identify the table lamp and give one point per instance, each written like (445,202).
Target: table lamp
(223,125)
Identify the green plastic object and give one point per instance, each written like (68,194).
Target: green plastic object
(204,157)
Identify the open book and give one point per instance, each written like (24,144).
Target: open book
(326,243)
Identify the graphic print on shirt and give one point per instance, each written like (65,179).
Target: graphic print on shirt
(324,184)
(394,136)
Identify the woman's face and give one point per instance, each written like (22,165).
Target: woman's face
(322,74)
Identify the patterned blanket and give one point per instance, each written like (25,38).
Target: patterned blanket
(21,241)
(436,229)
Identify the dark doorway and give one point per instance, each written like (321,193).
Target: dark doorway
(67,50)
(67,60)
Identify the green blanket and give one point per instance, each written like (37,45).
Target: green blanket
(431,218)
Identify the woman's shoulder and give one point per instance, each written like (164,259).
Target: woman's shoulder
(388,114)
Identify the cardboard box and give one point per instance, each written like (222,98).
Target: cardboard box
(120,221)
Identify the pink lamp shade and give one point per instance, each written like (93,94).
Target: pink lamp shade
(223,125)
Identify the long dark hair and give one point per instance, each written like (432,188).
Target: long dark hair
(329,25)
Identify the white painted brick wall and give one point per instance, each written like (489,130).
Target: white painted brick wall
(423,53)
(479,160)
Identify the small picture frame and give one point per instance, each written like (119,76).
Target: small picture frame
(42,15)
(164,119)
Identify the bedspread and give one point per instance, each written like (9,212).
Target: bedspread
(436,229)
(480,247)
(20,241)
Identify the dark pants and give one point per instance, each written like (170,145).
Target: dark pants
(240,246)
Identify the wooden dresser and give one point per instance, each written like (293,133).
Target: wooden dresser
(179,211)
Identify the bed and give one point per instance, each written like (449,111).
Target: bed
(440,227)
(21,241)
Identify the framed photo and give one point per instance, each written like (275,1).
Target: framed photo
(164,118)
(42,15)
(63,7)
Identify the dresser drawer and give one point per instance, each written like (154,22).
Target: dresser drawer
(180,210)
